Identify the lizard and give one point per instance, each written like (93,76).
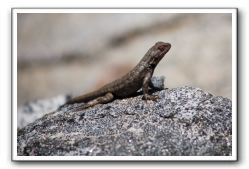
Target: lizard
(139,77)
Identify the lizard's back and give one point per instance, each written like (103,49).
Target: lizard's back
(123,87)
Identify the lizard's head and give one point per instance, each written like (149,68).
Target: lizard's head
(157,52)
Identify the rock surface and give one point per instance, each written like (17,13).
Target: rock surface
(184,121)
(31,111)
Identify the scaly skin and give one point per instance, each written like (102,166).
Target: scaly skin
(138,77)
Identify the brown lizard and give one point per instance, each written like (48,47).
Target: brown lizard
(138,77)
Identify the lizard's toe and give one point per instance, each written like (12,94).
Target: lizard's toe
(150,97)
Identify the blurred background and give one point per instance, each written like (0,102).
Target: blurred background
(77,53)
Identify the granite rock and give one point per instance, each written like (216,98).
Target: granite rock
(31,111)
(185,121)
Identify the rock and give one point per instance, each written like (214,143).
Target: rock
(158,82)
(185,121)
(31,111)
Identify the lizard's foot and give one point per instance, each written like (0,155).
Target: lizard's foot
(150,97)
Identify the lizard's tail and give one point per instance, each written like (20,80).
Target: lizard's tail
(83,98)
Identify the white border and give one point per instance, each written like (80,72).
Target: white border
(15,157)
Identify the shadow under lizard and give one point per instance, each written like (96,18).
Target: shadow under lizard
(139,77)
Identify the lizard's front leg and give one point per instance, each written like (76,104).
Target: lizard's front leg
(146,82)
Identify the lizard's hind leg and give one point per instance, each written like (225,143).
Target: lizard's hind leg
(101,100)
(108,97)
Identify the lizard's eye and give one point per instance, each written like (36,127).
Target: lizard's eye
(161,47)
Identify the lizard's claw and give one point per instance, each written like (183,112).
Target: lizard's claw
(150,97)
